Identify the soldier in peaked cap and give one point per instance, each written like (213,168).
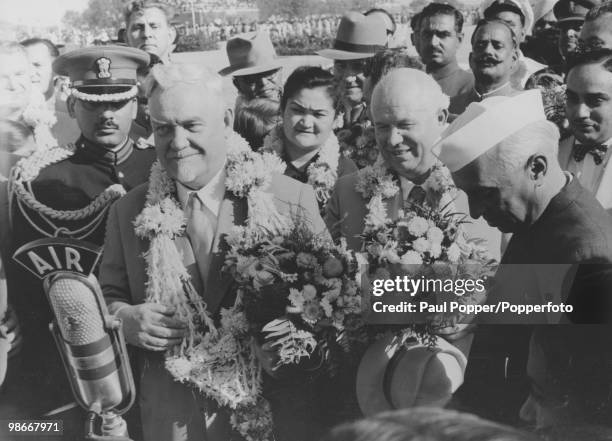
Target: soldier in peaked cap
(65,191)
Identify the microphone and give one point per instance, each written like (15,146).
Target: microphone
(90,341)
(93,351)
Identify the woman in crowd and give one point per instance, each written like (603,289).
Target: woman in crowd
(305,139)
(255,119)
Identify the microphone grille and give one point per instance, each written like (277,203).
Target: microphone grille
(76,311)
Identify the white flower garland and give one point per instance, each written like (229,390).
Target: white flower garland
(40,118)
(322,173)
(217,361)
(376,184)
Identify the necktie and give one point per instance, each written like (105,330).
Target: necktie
(201,227)
(598,151)
(416,197)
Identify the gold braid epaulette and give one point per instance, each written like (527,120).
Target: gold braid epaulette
(28,169)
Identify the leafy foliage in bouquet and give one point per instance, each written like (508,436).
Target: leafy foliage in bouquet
(358,143)
(300,291)
(428,243)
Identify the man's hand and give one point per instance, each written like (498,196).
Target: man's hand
(152,326)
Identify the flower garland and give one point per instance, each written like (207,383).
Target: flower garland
(358,142)
(219,361)
(376,183)
(40,118)
(322,173)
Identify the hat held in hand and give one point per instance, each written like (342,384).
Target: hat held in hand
(359,36)
(249,54)
(394,375)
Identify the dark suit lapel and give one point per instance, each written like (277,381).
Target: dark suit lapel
(233,211)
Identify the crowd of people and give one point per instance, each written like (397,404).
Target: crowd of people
(241,218)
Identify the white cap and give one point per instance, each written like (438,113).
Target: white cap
(485,124)
(522,5)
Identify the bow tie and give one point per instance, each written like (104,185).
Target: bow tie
(598,151)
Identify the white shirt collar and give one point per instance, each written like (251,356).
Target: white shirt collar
(211,194)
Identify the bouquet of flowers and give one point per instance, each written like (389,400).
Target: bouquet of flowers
(300,291)
(358,143)
(426,242)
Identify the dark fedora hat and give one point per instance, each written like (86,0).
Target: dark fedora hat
(250,54)
(359,36)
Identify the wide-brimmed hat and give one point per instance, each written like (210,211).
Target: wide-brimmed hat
(395,375)
(359,36)
(250,54)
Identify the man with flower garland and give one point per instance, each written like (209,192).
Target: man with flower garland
(204,186)
(66,191)
(409,113)
(560,251)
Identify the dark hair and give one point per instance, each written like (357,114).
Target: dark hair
(53,50)
(384,11)
(496,8)
(308,77)
(599,10)
(254,120)
(487,21)
(601,56)
(137,6)
(389,59)
(434,9)
(425,424)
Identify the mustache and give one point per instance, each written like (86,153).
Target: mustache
(487,59)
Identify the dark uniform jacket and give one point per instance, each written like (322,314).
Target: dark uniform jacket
(70,184)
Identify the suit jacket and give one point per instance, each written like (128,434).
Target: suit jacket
(171,411)
(570,247)
(572,243)
(595,178)
(346,212)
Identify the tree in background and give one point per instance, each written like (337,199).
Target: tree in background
(104,14)
(303,8)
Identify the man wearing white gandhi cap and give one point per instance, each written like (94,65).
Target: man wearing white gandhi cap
(503,153)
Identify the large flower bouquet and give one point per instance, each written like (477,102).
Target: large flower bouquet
(300,292)
(425,241)
(358,143)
